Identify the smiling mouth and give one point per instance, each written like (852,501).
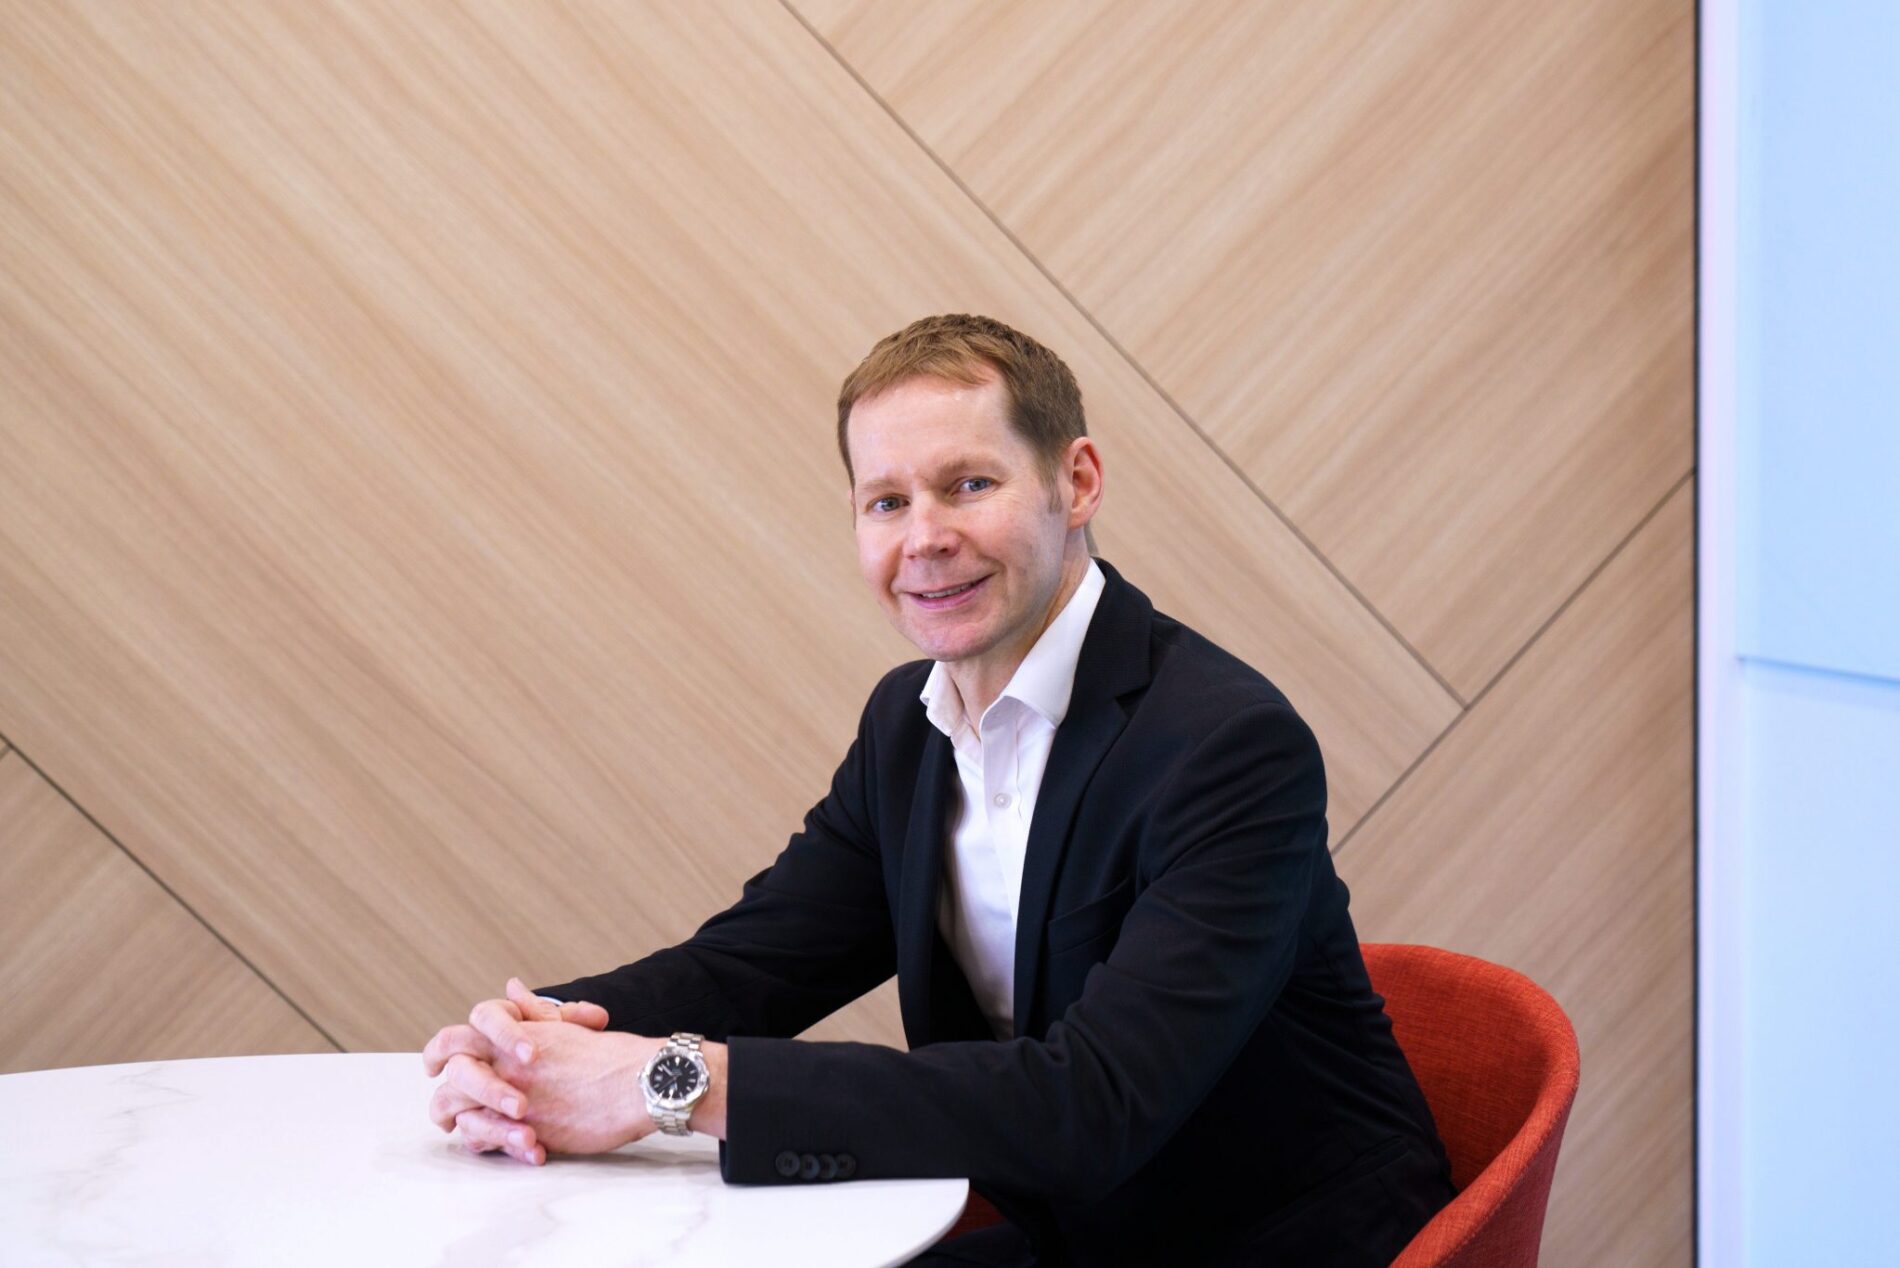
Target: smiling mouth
(944,594)
(949,596)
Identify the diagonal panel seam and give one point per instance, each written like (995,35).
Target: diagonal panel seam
(1530,642)
(7,746)
(1136,366)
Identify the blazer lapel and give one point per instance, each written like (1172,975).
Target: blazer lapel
(923,875)
(1114,661)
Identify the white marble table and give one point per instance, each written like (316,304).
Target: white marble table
(331,1159)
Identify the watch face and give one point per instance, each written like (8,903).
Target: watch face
(674,1077)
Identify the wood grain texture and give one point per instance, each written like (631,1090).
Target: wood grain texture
(421,540)
(101,964)
(1551,831)
(421,534)
(1424,271)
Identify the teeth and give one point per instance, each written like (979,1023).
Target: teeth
(944,594)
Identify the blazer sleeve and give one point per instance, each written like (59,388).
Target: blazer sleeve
(1232,855)
(809,934)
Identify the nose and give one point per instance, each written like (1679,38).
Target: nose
(930,531)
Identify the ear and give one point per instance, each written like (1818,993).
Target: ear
(1083,468)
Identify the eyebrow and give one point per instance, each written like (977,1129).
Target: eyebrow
(963,462)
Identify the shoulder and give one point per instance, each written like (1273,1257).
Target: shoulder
(1201,687)
(900,684)
(893,707)
(1209,722)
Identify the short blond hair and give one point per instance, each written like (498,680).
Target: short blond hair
(1043,402)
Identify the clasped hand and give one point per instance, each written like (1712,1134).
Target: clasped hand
(525,1075)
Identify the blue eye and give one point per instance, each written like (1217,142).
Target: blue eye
(879,503)
(983,480)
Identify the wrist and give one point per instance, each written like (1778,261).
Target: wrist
(637,1116)
(709,1115)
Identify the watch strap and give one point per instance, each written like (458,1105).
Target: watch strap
(667,1119)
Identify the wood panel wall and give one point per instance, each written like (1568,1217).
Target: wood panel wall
(423,557)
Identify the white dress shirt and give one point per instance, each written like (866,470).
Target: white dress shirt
(1000,762)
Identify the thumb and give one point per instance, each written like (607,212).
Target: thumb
(586,1013)
(534,1008)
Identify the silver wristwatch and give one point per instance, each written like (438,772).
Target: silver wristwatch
(674,1079)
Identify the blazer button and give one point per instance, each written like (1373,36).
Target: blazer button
(827,1167)
(808,1168)
(786,1164)
(847,1166)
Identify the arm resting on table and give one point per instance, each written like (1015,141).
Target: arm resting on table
(1204,952)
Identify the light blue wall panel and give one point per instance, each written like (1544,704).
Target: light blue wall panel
(1819,334)
(1822,1013)
(1817,576)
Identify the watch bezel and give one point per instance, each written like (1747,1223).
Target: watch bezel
(656,1099)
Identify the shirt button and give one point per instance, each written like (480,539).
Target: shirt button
(1001,799)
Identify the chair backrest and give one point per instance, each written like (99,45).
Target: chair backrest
(1497,1060)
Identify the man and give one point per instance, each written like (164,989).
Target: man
(1092,847)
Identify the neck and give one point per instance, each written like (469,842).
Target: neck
(982,679)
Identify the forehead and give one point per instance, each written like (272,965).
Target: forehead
(923,424)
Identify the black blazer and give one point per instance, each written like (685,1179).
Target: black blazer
(1201,1068)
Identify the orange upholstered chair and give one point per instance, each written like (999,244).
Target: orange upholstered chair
(977,1213)
(1497,1059)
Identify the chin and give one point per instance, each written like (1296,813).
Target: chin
(947,648)
(940,649)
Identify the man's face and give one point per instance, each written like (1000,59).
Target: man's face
(947,497)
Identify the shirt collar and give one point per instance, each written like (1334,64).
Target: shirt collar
(1045,680)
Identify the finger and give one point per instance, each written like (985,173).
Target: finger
(453,1039)
(585,1013)
(448,1101)
(478,1080)
(483,1131)
(499,1020)
(532,1006)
